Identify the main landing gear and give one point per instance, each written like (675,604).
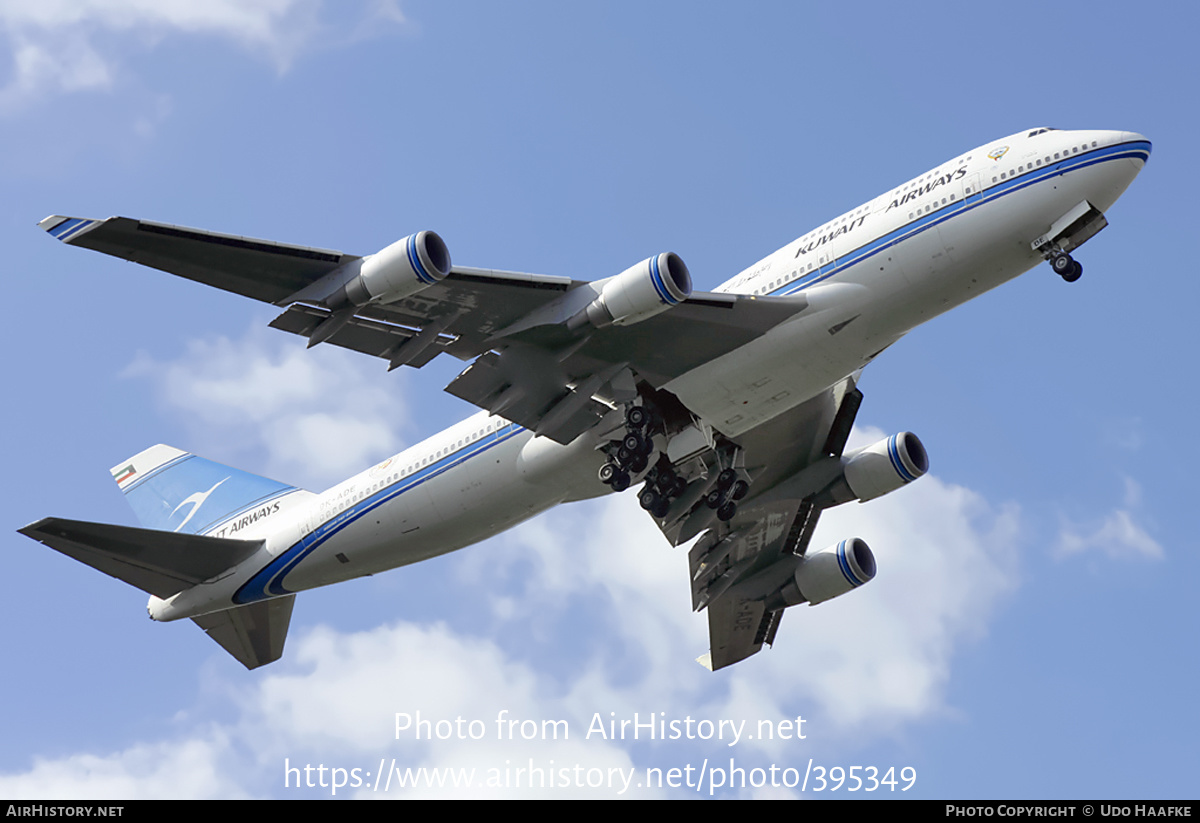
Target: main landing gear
(633,454)
(731,487)
(637,456)
(1066,266)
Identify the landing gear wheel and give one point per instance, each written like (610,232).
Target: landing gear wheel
(636,417)
(620,481)
(713,499)
(726,512)
(725,479)
(660,511)
(607,472)
(649,499)
(637,463)
(633,442)
(1075,273)
(1063,264)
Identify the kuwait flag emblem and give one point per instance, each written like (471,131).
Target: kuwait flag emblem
(121,475)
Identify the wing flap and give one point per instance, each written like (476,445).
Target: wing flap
(737,629)
(360,334)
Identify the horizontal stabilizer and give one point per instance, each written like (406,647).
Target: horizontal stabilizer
(254,633)
(157,562)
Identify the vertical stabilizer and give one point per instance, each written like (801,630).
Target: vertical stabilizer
(172,490)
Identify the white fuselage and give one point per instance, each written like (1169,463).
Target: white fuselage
(870,276)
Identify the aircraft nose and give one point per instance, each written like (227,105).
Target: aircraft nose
(1134,137)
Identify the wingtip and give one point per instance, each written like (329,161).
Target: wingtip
(47,223)
(66,228)
(705,660)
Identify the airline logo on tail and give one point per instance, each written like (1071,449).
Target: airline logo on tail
(197,500)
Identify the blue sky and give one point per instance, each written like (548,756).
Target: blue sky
(1031,631)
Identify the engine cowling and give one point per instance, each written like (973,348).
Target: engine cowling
(823,575)
(399,270)
(886,466)
(649,288)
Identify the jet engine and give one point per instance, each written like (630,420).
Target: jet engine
(649,288)
(886,466)
(820,576)
(402,269)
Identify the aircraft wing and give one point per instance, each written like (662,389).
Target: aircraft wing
(526,363)
(789,461)
(255,268)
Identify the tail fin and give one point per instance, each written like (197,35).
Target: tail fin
(172,490)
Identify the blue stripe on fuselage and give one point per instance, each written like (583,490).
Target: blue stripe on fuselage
(268,581)
(1136,150)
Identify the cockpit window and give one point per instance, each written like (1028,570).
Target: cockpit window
(1036,132)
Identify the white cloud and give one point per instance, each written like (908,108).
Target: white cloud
(321,414)
(75,45)
(1116,536)
(193,768)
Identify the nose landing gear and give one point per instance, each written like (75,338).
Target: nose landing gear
(1066,234)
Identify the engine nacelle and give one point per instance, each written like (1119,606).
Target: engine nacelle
(886,466)
(402,269)
(649,288)
(823,575)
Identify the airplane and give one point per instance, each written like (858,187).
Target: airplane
(730,408)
